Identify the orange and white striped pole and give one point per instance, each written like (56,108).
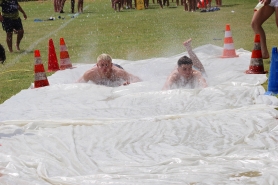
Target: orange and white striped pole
(65,62)
(40,75)
(229,49)
(256,63)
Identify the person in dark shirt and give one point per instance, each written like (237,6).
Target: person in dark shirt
(11,21)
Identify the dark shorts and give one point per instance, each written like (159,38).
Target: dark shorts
(117,65)
(10,24)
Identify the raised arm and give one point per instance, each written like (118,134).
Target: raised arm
(196,62)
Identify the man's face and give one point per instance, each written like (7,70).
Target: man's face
(185,70)
(104,66)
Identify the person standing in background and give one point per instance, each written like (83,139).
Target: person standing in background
(11,21)
(218,3)
(192,5)
(259,17)
(59,6)
(185,4)
(62,3)
(80,6)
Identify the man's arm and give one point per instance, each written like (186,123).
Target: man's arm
(81,80)
(22,11)
(201,79)
(127,77)
(170,81)
(203,82)
(133,78)
(86,77)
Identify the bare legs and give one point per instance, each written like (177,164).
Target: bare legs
(56,5)
(9,40)
(258,19)
(62,3)
(160,3)
(196,62)
(146,3)
(72,3)
(18,39)
(276,16)
(185,5)
(117,5)
(192,5)
(218,3)
(80,6)
(165,2)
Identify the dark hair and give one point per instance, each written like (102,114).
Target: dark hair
(2,54)
(184,60)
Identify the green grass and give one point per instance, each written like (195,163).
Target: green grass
(130,34)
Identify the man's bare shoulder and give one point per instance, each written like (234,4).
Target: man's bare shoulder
(196,73)
(175,75)
(119,71)
(91,74)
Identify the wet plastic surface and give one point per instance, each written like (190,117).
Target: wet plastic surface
(73,133)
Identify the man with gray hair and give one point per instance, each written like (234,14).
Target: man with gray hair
(108,74)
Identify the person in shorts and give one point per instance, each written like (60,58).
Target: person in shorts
(11,21)
(259,17)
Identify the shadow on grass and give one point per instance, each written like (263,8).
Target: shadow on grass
(230,5)
(88,12)
(26,51)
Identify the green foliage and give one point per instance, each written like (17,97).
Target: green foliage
(130,34)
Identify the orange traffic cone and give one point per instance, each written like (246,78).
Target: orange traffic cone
(52,58)
(40,76)
(64,56)
(256,64)
(229,49)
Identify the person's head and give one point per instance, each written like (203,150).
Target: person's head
(185,66)
(104,63)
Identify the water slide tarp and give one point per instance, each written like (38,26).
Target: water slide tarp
(80,133)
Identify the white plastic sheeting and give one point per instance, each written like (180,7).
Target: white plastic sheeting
(71,133)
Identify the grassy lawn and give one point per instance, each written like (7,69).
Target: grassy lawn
(129,34)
